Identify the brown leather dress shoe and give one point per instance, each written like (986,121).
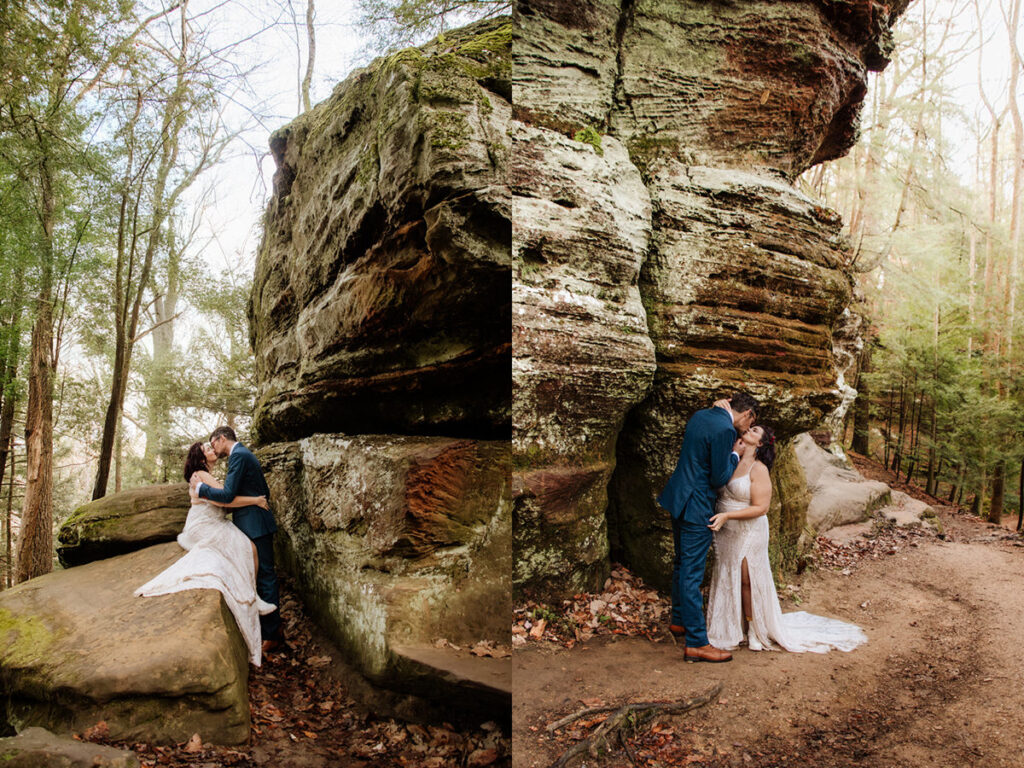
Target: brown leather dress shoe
(707,653)
(677,631)
(269,646)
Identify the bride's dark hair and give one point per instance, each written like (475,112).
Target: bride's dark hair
(766,451)
(195,460)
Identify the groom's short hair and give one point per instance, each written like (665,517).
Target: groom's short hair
(227,432)
(741,402)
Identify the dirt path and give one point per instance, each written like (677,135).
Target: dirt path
(940,682)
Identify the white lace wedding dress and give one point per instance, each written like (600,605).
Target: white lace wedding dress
(797,632)
(219,557)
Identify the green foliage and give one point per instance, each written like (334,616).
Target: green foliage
(393,24)
(937,268)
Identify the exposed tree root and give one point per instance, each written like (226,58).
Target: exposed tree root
(634,715)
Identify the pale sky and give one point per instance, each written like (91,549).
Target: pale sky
(232,197)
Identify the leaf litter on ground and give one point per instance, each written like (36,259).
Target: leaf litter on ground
(303,716)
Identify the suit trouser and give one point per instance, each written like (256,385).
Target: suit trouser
(266,586)
(692,543)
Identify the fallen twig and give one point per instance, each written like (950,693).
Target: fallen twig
(638,713)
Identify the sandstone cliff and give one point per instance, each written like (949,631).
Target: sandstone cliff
(741,278)
(380,319)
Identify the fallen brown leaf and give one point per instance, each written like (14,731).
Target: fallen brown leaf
(99,731)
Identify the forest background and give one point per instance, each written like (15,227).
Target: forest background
(134,170)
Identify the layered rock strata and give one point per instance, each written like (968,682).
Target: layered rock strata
(77,647)
(719,106)
(381,293)
(582,353)
(380,318)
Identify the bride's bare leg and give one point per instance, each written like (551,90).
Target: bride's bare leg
(745,594)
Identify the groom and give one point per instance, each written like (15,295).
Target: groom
(245,478)
(706,462)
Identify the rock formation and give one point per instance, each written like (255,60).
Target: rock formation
(381,294)
(38,748)
(123,522)
(582,353)
(380,319)
(78,647)
(719,105)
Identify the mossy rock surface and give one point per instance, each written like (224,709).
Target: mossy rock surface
(77,646)
(398,541)
(123,522)
(381,298)
(38,748)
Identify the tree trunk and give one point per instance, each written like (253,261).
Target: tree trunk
(888,429)
(862,406)
(902,428)
(158,383)
(1018,180)
(1020,497)
(995,508)
(113,414)
(7,416)
(35,539)
(118,453)
(10,373)
(932,485)
(311,58)
(8,551)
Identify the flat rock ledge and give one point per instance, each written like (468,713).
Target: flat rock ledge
(38,748)
(123,522)
(400,546)
(77,647)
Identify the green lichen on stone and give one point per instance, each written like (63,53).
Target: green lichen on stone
(448,129)
(589,135)
(496,41)
(27,639)
(445,79)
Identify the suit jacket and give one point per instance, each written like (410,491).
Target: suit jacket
(706,462)
(245,478)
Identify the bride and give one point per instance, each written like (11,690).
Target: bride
(743,602)
(219,555)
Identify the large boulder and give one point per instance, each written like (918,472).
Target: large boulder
(582,356)
(38,748)
(839,494)
(401,547)
(381,299)
(77,647)
(123,522)
(745,280)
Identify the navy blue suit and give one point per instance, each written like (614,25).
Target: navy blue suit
(706,462)
(245,478)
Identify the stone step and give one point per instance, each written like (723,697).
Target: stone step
(476,682)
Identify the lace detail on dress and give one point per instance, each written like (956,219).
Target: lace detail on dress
(219,557)
(739,539)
